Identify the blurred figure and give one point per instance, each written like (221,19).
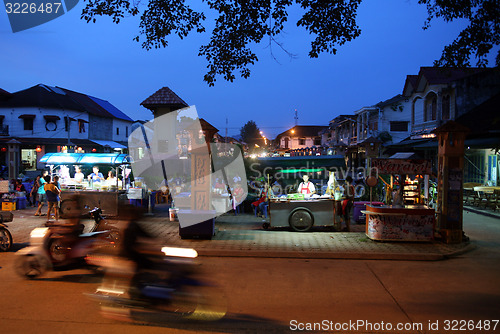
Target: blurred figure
(96,176)
(238,197)
(348,202)
(111,177)
(33,196)
(78,175)
(56,182)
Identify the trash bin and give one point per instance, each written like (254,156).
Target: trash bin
(204,228)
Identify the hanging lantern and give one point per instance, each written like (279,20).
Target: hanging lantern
(3,149)
(94,150)
(38,149)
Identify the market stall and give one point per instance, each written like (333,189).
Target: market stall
(104,193)
(407,219)
(302,214)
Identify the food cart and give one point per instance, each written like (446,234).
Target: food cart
(301,214)
(407,219)
(104,195)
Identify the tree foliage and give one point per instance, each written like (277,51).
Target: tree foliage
(477,39)
(240,24)
(250,134)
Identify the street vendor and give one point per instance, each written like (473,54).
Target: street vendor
(96,176)
(78,175)
(306,187)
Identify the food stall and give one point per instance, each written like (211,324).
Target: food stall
(406,219)
(301,214)
(105,194)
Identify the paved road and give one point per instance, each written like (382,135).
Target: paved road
(267,295)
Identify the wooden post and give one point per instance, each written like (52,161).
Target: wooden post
(451,138)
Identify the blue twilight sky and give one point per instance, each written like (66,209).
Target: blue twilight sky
(102,60)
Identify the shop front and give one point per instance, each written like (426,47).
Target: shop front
(408,218)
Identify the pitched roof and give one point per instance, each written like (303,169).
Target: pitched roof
(111,108)
(164,97)
(303,131)
(42,96)
(90,106)
(341,118)
(61,98)
(4,94)
(390,101)
(438,75)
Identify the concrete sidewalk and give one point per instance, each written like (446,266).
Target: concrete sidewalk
(243,235)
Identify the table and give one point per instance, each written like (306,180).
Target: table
(486,189)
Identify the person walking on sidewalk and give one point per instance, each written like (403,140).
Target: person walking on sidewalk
(41,193)
(348,202)
(52,193)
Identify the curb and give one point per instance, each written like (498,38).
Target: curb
(323,255)
(480,212)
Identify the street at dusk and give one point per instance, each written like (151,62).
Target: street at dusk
(234,166)
(265,295)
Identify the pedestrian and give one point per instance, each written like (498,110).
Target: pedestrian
(52,193)
(56,182)
(41,193)
(34,192)
(348,202)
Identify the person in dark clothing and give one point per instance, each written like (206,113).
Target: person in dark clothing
(348,202)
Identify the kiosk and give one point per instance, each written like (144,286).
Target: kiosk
(103,195)
(408,220)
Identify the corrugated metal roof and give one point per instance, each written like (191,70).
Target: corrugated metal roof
(111,108)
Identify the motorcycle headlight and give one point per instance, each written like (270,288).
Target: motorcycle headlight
(39,232)
(180,252)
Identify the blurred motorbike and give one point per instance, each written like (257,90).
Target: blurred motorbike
(5,236)
(170,287)
(57,245)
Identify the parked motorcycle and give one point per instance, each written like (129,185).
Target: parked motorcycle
(169,289)
(57,245)
(5,236)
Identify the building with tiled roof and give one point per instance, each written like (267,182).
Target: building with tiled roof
(439,94)
(48,119)
(300,137)
(163,100)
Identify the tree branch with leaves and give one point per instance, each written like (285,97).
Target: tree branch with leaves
(242,24)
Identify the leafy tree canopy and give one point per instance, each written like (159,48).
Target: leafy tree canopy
(250,134)
(242,23)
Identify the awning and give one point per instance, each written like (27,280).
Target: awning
(108,143)
(27,116)
(301,162)
(85,158)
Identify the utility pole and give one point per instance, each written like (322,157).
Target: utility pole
(296,118)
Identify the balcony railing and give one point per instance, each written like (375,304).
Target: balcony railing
(424,127)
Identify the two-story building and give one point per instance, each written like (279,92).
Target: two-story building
(47,119)
(388,121)
(437,95)
(303,138)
